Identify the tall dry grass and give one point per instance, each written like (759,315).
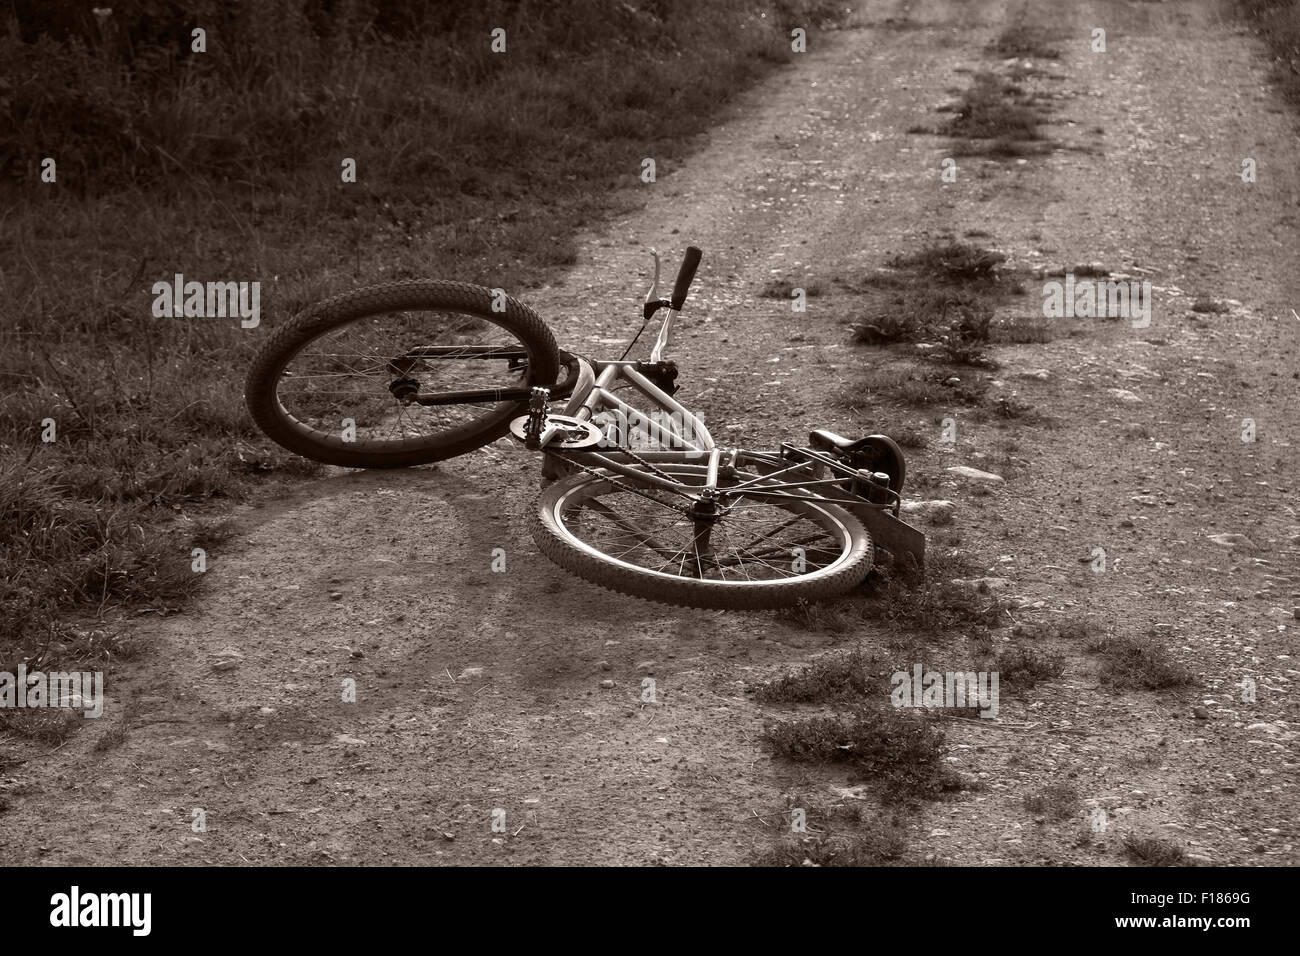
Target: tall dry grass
(225,166)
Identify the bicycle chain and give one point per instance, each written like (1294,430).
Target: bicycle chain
(640,460)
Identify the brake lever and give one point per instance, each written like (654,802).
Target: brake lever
(652,301)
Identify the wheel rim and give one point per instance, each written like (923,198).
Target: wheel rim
(367,370)
(752,544)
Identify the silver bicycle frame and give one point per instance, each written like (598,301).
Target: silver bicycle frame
(686,440)
(682,436)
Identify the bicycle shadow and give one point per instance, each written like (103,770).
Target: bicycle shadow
(283,499)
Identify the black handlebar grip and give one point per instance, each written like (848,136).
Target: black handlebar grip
(685,276)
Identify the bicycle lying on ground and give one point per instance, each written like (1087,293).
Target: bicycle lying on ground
(420,371)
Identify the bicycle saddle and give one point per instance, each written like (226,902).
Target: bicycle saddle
(873,453)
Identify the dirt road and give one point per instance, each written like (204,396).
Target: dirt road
(479,691)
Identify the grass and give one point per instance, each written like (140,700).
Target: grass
(943,298)
(901,752)
(1021,330)
(112,738)
(843,839)
(1006,408)
(226,166)
(1021,666)
(50,726)
(290,84)
(995,109)
(1012,407)
(958,321)
(901,319)
(870,849)
(995,117)
(1077,630)
(783,288)
(63,551)
(943,293)
(1024,41)
(1154,851)
(814,616)
(1129,663)
(952,261)
(921,601)
(909,436)
(1056,802)
(1277,23)
(916,387)
(1082,271)
(833,678)
(1206,305)
(933,603)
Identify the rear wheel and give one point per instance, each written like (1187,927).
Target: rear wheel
(400,374)
(756,551)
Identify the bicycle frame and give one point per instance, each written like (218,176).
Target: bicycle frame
(808,475)
(687,443)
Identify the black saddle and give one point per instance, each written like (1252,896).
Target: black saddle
(873,453)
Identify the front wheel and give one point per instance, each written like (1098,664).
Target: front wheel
(400,374)
(758,550)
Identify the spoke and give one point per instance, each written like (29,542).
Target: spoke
(740,560)
(767,477)
(796,519)
(643,537)
(348,371)
(752,541)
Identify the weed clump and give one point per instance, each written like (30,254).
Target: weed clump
(952,261)
(1129,663)
(832,678)
(1154,851)
(1056,802)
(900,751)
(1024,41)
(874,842)
(993,109)
(1022,666)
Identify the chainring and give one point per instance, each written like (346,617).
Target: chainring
(575,433)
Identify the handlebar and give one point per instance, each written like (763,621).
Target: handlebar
(684,277)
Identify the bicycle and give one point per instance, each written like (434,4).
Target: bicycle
(417,371)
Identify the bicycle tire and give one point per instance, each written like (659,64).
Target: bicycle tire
(260,389)
(561,546)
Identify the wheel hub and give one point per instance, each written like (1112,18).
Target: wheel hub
(404,389)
